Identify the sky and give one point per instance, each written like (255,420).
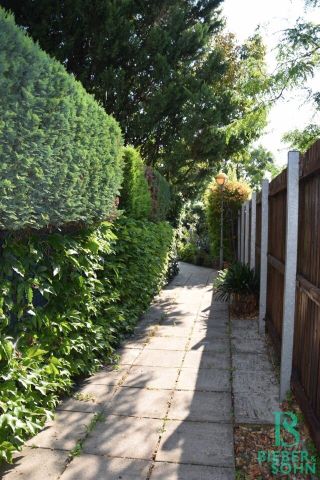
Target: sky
(274,16)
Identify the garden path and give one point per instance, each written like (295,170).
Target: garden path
(167,411)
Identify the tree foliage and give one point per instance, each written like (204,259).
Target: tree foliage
(298,62)
(302,139)
(253,165)
(183,91)
(60,152)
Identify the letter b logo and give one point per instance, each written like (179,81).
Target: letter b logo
(282,421)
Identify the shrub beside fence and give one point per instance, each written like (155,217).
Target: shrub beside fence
(303,363)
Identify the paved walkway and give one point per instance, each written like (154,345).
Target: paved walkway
(166,413)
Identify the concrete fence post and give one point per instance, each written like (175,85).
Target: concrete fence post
(242,231)
(239,237)
(247,226)
(290,275)
(264,254)
(253,230)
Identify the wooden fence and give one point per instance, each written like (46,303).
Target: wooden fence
(297,316)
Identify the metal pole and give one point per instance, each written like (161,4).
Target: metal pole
(221,231)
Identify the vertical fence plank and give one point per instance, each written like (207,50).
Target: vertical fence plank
(263,255)
(290,273)
(253,230)
(247,219)
(242,231)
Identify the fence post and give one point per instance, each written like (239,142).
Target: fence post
(239,236)
(263,254)
(253,230)
(290,275)
(247,225)
(242,232)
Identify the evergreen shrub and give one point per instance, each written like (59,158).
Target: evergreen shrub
(160,194)
(60,152)
(135,194)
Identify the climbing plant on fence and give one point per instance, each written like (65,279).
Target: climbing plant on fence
(60,151)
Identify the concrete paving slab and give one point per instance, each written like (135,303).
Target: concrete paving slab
(211,331)
(139,402)
(94,467)
(88,398)
(108,376)
(160,358)
(151,377)
(126,437)
(156,313)
(197,443)
(201,406)
(182,310)
(167,343)
(63,432)
(85,406)
(137,341)
(260,383)
(218,321)
(180,314)
(256,409)
(219,345)
(249,345)
(35,464)
(205,380)
(128,355)
(174,331)
(251,362)
(179,471)
(142,329)
(200,359)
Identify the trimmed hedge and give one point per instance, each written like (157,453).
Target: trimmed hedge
(66,301)
(60,152)
(160,194)
(145,192)
(135,194)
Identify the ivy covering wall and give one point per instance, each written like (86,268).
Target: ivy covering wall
(66,302)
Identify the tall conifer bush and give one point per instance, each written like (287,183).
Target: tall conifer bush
(135,193)
(60,152)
